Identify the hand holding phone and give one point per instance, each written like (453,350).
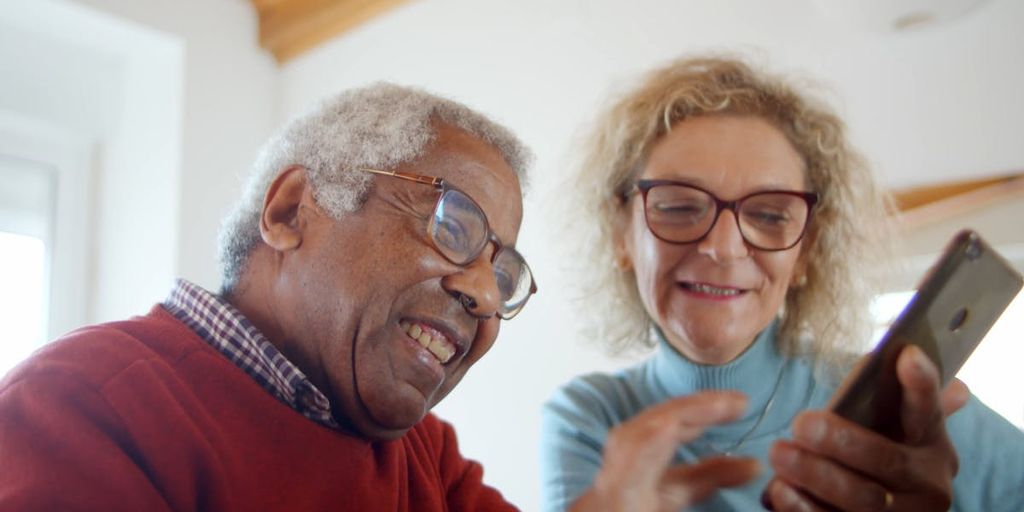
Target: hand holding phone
(958,301)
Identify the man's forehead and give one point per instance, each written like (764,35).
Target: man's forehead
(454,145)
(479,169)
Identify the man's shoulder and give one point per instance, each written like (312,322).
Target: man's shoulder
(96,353)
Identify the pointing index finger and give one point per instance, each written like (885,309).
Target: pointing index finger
(692,414)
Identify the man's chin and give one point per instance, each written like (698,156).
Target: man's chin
(384,413)
(388,424)
(383,434)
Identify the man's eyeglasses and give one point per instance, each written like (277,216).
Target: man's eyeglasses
(681,213)
(459,230)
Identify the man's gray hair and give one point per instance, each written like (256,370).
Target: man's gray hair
(378,126)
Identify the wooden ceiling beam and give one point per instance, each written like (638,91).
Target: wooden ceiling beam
(921,206)
(910,198)
(290,27)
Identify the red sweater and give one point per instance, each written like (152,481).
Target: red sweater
(144,415)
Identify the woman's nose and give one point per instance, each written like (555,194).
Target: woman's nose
(725,241)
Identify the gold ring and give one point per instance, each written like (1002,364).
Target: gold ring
(889,498)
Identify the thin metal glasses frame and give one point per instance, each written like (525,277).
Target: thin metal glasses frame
(443,186)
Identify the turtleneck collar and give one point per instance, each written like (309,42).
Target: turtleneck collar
(753,372)
(760,372)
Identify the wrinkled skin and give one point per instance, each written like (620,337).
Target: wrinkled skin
(636,472)
(833,464)
(731,157)
(830,464)
(330,294)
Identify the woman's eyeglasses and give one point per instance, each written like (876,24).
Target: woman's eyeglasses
(681,213)
(459,230)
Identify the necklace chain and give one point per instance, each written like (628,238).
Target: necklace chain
(728,450)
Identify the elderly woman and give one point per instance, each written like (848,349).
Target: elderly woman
(734,228)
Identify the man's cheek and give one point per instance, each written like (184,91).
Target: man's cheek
(486,335)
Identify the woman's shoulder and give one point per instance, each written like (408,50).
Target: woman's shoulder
(605,397)
(976,426)
(991,454)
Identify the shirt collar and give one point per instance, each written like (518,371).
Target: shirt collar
(227,330)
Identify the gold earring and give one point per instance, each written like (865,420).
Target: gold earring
(799,281)
(623,264)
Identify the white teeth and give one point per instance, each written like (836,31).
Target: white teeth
(436,345)
(441,351)
(424,339)
(711,290)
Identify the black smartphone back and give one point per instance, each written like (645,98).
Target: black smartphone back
(958,301)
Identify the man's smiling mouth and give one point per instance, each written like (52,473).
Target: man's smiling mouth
(430,339)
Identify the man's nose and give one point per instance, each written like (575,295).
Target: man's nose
(724,242)
(475,287)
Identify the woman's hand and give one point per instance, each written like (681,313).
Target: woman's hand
(834,464)
(636,473)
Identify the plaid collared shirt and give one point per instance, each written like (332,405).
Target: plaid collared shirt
(228,331)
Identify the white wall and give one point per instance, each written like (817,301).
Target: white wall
(928,105)
(229,109)
(169,102)
(98,100)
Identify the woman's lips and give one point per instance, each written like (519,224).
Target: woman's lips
(712,291)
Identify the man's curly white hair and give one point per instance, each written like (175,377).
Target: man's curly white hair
(379,126)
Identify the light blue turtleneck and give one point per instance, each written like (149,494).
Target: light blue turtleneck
(577,418)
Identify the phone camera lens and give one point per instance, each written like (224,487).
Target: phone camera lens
(959,319)
(973,250)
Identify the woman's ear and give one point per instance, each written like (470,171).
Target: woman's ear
(280,223)
(799,276)
(622,239)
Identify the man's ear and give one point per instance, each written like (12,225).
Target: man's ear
(280,223)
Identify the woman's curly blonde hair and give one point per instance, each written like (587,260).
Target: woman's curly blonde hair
(846,240)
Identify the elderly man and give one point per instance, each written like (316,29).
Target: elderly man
(366,269)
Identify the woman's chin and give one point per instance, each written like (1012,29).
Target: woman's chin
(713,348)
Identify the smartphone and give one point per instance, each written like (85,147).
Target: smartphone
(957,302)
